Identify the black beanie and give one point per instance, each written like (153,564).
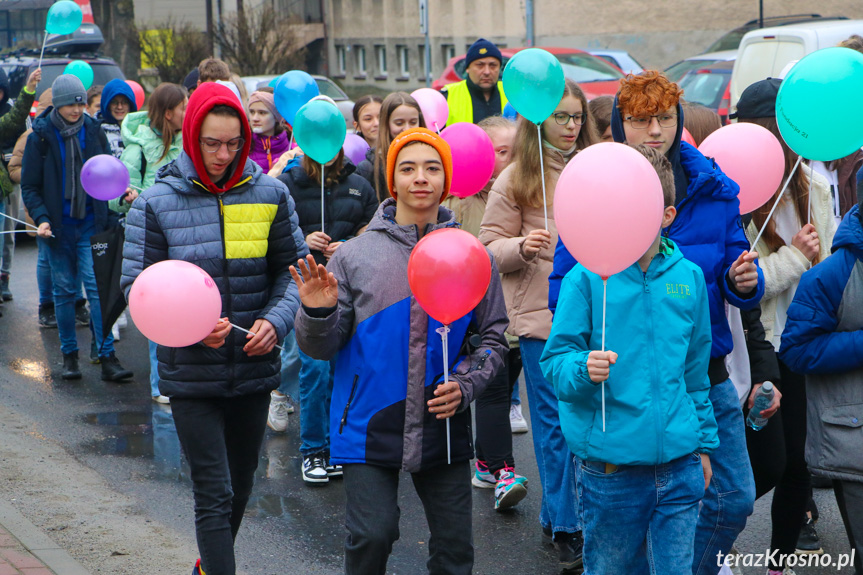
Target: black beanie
(482,48)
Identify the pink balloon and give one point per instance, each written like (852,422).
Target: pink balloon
(138,90)
(751,156)
(434,107)
(608,207)
(104,177)
(355,148)
(687,137)
(175,303)
(472,158)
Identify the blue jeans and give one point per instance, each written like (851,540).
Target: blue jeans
(43,277)
(154,369)
(553,458)
(639,514)
(290,374)
(316,389)
(70,255)
(729,500)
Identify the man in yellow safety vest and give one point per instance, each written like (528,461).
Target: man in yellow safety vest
(481,94)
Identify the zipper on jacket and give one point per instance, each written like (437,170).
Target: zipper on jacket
(657,408)
(227,282)
(348,404)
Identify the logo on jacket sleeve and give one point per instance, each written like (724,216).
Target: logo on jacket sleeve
(354,192)
(678,291)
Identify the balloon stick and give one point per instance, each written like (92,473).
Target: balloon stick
(604,298)
(443,331)
(19,221)
(776,204)
(809,210)
(322,198)
(44,40)
(542,170)
(235,326)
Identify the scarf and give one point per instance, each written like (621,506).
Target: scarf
(74,161)
(567,154)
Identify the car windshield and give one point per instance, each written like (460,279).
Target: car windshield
(705,87)
(328,88)
(583,68)
(679,70)
(102,74)
(730,41)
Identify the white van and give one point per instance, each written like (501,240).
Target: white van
(764,53)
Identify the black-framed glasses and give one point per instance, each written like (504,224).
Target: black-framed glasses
(562,118)
(643,122)
(211,146)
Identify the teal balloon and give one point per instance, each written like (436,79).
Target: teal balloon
(64,17)
(81,70)
(533,82)
(319,129)
(818,105)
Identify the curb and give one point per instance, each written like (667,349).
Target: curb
(36,542)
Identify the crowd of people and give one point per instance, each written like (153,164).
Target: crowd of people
(645,462)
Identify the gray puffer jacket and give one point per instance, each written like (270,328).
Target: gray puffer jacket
(246,239)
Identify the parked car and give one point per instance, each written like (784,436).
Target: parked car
(620,59)
(595,76)
(326,86)
(677,71)
(731,40)
(765,53)
(709,86)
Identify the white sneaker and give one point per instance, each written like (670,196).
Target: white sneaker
(277,420)
(315,469)
(163,399)
(516,419)
(115,331)
(122,321)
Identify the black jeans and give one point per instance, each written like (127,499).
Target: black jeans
(221,438)
(372,517)
(778,456)
(849,496)
(493,431)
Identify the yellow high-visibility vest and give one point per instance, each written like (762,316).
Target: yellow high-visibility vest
(461,105)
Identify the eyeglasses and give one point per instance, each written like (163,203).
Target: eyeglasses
(212,146)
(643,122)
(562,118)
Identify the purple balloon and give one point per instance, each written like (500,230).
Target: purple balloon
(104,177)
(355,148)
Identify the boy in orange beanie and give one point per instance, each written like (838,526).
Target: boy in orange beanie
(389,409)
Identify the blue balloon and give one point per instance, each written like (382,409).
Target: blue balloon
(509,112)
(320,130)
(293,90)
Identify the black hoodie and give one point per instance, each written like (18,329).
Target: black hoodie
(4,85)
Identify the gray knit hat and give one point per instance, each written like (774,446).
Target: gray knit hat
(68,89)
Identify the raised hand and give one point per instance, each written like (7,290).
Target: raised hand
(599,364)
(318,288)
(744,272)
(807,242)
(536,241)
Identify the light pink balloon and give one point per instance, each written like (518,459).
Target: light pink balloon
(608,207)
(434,107)
(472,158)
(175,303)
(751,156)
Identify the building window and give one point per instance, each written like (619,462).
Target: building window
(404,69)
(340,60)
(381,56)
(361,60)
(421,50)
(448,52)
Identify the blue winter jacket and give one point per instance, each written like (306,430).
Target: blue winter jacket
(657,405)
(708,231)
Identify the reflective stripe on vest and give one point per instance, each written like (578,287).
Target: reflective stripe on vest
(461,105)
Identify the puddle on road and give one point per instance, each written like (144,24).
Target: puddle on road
(272,506)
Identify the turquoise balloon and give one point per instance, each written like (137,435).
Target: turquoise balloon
(64,17)
(533,82)
(319,129)
(818,105)
(81,70)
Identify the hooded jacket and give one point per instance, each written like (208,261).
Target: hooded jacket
(6,87)
(349,205)
(13,123)
(110,125)
(390,356)
(823,339)
(142,154)
(242,234)
(708,230)
(656,395)
(18,152)
(266,150)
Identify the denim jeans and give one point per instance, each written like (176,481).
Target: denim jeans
(290,374)
(639,513)
(553,458)
(221,438)
(154,369)
(372,517)
(43,277)
(729,499)
(316,389)
(70,254)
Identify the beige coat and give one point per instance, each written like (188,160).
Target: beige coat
(525,279)
(468,211)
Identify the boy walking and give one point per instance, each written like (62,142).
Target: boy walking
(388,408)
(640,481)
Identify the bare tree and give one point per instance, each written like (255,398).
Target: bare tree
(172,48)
(259,41)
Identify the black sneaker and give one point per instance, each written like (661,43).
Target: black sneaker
(82,314)
(808,542)
(569,551)
(70,366)
(47,318)
(113,371)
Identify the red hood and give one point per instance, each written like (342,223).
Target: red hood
(203,99)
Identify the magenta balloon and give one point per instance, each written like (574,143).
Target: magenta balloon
(608,207)
(472,158)
(104,177)
(355,148)
(434,107)
(750,155)
(175,303)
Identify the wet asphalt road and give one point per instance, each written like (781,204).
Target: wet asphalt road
(290,527)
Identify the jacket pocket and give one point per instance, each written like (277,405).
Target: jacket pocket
(344,420)
(842,437)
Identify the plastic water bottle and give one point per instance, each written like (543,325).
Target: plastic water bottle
(763,400)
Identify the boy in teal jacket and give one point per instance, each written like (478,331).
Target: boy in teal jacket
(639,481)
